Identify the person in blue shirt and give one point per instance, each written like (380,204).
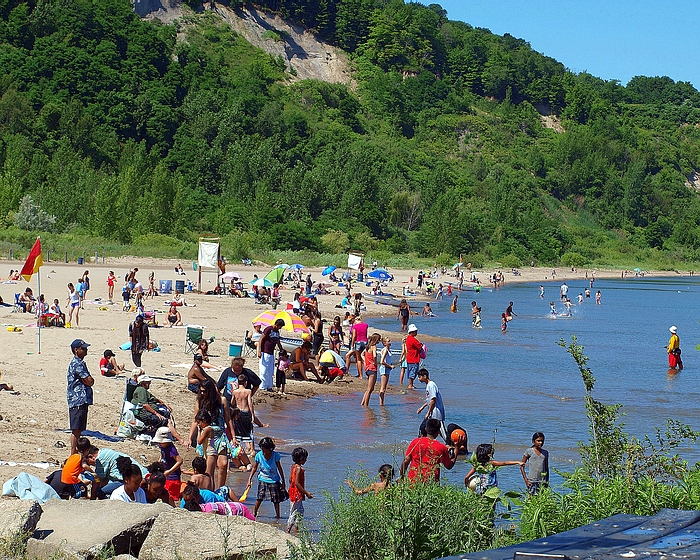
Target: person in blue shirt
(270,478)
(79,384)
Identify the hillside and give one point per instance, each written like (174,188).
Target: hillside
(416,134)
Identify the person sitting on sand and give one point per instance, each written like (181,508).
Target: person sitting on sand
(301,362)
(27,301)
(196,376)
(109,366)
(174,318)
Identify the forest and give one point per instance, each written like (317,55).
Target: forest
(116,128)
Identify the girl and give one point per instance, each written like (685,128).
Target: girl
(205,445)
(538,459)
(111,279)
(336,336)
(597,297)
(154,485)
(504,322)
(403,314)
(131,490)
(386,477)
(271,476)
(297,489)
(371,366)
(171,461)
(453,308)
(552,309)
(73,305)
(402,360)
(281,374)
(385,367)
(487,477)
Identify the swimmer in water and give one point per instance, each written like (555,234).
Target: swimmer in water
(552,309)
(504,322)
(427,311)
(541,291)
(579,298)
(454,305)
(567,303)
(477,319)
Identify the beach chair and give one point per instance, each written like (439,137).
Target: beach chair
(250,349)
(192,338)
(17,307)
(129,426)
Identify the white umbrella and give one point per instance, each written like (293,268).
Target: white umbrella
(231,276)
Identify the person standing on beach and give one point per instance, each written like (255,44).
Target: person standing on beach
(111,280)
(138,332)
(78,391)
(269,340)
(674,350)
(413,351)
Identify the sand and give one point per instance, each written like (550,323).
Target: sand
(35,420)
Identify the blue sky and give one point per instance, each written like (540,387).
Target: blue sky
(613,39)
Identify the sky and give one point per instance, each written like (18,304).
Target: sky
(610,39)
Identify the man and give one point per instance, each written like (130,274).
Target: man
(674,350)
(433,401)
(138,332)
(563,291)
(78,391)
(509,312)
(150,410)
(229,379)
(269,340)
(413,350)
(425,454)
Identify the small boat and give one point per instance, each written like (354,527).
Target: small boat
(389,299)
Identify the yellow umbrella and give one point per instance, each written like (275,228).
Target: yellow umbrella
(292,322)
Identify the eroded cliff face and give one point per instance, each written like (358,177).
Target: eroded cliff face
(308,57)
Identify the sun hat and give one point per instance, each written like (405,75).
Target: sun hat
(412,328)
(143,378)
(78,343)
(673,329)
(163,435)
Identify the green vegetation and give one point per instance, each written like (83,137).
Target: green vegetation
(119,130)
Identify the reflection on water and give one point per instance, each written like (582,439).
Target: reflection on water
(510,384)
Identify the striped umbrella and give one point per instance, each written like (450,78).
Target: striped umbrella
(292,322)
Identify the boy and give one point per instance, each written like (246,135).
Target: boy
(198,474)
(75,479)
(271,476)
(297,491)
(126,295)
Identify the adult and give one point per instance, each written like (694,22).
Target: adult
(358,343)
(73,305)
(111,281)
(228,381)
(425,454)
(300,361)
(109,366)
(331,365)
(138,333)
(150,409)
(210,400)
(174,318)
(413,352)
(433,402)
(27,300)
(130,491)
(674,350)
(404,312)
(196,376)
(78,391)
(336,336)
(107,472)
(316,334)
(86,283)
(509,312)
(269,340)
(203,349)
(563,291)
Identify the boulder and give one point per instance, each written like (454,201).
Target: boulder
(18,517)
(192,536)
(84,529)
(125,557)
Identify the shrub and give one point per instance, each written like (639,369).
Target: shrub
(31,217)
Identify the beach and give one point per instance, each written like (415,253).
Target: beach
(34,425)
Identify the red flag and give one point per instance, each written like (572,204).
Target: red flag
(34,261)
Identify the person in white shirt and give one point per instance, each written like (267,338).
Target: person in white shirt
(131,490)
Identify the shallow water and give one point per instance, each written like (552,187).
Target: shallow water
(508,385)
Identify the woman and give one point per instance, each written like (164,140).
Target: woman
(111,281)
(336,336)
(73,305)
(316,334)
(210,399)
(174,317)
(300,362)
(203,350)
(404,313)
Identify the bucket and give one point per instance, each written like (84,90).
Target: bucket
(80,260)
(180,286)
(166,286)
(235,349)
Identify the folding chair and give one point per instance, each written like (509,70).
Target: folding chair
(129,425)
(17,308)
(193,336)
(250,349)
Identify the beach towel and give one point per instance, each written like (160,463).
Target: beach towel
(28,487)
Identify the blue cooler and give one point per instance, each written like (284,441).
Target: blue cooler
(235,349)
(166,287)
(180,286)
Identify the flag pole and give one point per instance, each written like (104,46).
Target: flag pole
(41,307)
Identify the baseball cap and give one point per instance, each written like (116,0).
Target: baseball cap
(108,354)
(163,435)
(412,328)
(143,378)
(78,343)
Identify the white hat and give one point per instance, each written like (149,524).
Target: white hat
(137,371)
(143,378)
(673,329)
(163,435)
(412,328)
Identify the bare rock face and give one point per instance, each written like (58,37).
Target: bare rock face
(83,529)
(192,536)
(18,516)
(151,7)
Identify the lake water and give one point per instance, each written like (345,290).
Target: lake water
(508,385)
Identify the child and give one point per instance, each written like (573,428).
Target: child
(126,295)
(153,484)
(453,308)
(196,499)
(271,476)
(504,322)
(130,491)
(386,477)
(552,309)
(281,374)
(371,366)
(402,360)
(171,459)
(60,316)
(487,478)
(199,475)
(538,459)
(76,475)
(385,367)
(297,489)
(205,443)
(477,318)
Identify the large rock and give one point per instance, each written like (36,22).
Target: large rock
(82,529)
(188,536)
(18,517)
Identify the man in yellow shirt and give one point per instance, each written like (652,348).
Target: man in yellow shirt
(674,350)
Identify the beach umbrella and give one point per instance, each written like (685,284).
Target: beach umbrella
(282,266)
(456,266)
(637,269)
(297,267)
(276,274)
(230,276)
(262,282)
(292,322)
(379,275)
(328,270)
